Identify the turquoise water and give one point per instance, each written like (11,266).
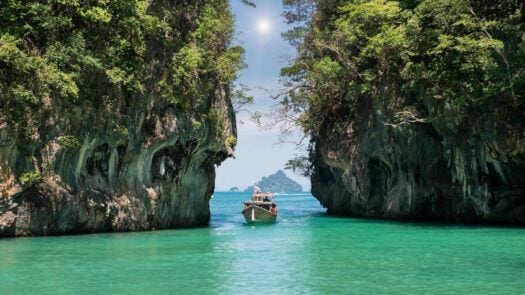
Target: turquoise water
(305,252)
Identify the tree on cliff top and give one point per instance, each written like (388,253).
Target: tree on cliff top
(99,56)
(443,62)
(85,69)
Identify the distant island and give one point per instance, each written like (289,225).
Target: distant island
(234,189)
(277,183)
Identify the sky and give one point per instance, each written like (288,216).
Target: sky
(258,152)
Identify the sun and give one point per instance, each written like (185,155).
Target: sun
(263,26)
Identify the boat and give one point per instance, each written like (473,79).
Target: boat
(260,209)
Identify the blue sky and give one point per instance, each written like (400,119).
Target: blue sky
(258,154)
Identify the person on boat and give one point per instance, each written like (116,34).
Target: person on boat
(266,199)
(274,209)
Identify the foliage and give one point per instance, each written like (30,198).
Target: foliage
(444,62)
(219,121)
(300,165)
(249,3)
(231,141)
(30,178)
(69,141)
(72,62)
(207,58)
(241,98)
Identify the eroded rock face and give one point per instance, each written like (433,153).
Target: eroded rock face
(106,185)
(421,171)
(125,159)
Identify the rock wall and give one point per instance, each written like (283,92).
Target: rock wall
(423,171)
(416,109)
(107,185)
(77,172)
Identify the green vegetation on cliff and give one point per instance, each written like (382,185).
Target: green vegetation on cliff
(447,62)
(415,108)
(58,55)
(113,114)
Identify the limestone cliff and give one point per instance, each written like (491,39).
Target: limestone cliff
(421,172)
(133,142)
(415,108)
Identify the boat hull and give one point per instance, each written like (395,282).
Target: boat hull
(255,214)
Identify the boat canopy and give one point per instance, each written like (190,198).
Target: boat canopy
(262,197)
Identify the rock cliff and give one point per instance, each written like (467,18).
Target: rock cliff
(420,172)
(113,115)
(415,108)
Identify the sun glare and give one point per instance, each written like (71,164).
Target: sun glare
(263,26)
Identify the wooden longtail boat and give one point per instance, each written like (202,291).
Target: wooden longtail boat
(261,209)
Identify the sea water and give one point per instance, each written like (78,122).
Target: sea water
(305,252)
